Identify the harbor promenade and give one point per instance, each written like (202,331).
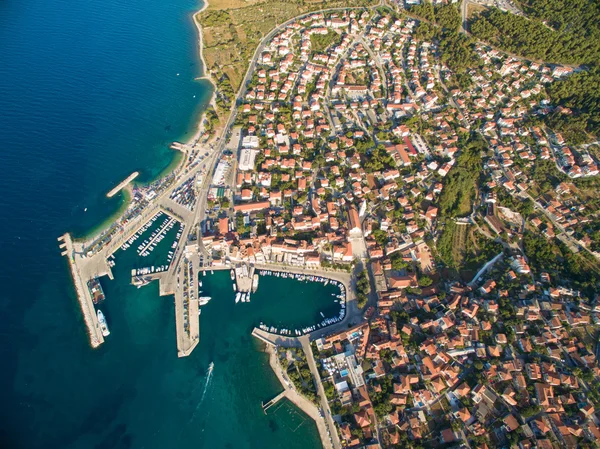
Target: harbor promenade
(353,313)
(298,400)
(333,434)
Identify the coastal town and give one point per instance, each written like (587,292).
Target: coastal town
(345,140)
(459,227)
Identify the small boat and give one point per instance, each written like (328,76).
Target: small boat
(237,297)
(102,322)
(234,287)
(232,273)
(203,300)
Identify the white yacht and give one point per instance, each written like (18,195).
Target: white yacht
(102,322)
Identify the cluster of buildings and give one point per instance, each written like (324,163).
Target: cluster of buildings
(309,168)
(492,364)
(348,129)
(500,107)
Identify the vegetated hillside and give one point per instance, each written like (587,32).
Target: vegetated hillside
(460,185)
(457,246)
(533,39)
(446,16)
(465,249)
(442,23)
(552,256)
(565,31)
(581,93)
(568,16)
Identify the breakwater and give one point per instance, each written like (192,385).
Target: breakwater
(122,184)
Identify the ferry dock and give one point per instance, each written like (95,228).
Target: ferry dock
(84,296)
(90,258)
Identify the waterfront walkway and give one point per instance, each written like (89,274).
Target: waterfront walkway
(299,401)
(353,313)
(333,434)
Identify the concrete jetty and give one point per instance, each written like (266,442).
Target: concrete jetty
(275,400)
(122,184)
(180,147)
(275,339)
(187,319)
(84,297)
(243,278)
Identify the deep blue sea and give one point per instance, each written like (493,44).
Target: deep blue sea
(89,92)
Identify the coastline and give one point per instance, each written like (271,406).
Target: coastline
(307,407)
(205,73)
(178,159)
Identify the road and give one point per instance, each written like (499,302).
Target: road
(560,227)
(321,391)
(463,15)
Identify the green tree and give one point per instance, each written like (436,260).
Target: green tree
(425,281)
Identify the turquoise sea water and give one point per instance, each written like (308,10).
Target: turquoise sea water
(89,92)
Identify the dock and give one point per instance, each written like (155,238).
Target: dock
(90,258)
(243,278)
(275,339)
(83,296)
(187,313)
(275,400)
(122,184)
(178,146)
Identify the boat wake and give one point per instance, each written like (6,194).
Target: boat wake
(209,373)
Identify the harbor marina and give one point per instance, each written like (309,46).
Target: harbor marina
(284,303)
(327,320)
(155,243)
